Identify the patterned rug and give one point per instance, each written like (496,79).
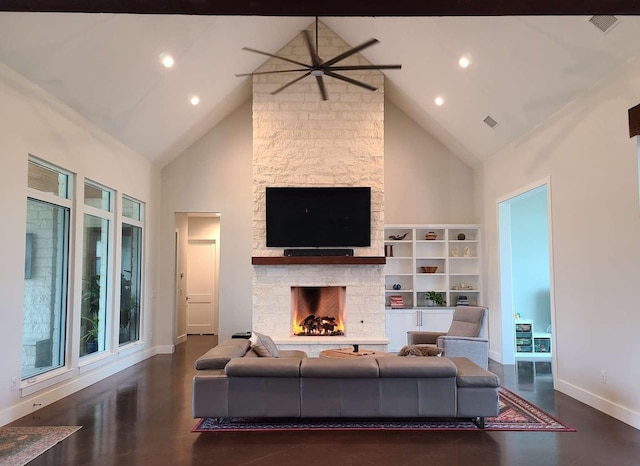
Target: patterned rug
(19,445)
(516,414)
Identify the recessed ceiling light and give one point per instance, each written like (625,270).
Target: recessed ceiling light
(464,61)
(166,60)
(195,100)
(439,101)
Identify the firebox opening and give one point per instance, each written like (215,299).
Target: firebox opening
(318,310)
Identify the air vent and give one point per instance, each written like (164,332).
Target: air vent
(490,122)
(603,22)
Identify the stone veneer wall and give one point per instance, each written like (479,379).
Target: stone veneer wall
(300,140)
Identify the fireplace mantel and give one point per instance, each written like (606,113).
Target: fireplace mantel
(319,260)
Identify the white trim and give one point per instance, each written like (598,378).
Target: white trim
(597,402)
(546,181)
(94,363)
(35,384)
(164,349)
(130,348)
(495,356)
(67,387)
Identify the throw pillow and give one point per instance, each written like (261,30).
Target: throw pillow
(420,350)
(268,343)
(261,351)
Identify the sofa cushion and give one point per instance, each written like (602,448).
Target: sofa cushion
(218,356)
(472,375)
(236,342)
(268,343)
(263,367)
(299,354)
(416,367)
(339,368)
(261,351)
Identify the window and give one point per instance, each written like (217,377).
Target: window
(131,271)
(95,268)
(44,334)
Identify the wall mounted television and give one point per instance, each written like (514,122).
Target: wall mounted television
(318,217)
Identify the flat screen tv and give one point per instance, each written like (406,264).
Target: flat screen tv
(318,217)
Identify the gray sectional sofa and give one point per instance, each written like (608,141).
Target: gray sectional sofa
(366,387)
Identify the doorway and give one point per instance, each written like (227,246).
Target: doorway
(526,275)
(197,271)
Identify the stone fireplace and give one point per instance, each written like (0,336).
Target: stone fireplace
(301,140)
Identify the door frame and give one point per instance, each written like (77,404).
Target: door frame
(506,299)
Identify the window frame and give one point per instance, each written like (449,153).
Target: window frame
(139,223)
(107,328)
(65,371)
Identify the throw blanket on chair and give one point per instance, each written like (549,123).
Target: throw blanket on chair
(420,350)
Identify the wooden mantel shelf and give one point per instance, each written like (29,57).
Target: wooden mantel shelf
(319,260)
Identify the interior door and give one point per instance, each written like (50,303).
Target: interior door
(201,260)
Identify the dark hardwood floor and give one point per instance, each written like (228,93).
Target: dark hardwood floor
(142,416)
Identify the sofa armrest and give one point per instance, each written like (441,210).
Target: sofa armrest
(422,338)
(474,349)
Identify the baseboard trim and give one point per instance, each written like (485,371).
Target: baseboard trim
(601,404)
(495,356)
(50,395)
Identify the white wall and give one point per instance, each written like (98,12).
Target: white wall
(424,182)
(592,162)
(31,122)
(213,175)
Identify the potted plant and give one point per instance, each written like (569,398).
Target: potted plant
(90,328)
(90,336)
(435,298)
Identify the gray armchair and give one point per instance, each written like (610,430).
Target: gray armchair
(467,336)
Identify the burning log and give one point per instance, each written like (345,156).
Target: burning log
(325,325)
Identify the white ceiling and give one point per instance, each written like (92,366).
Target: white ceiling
(107,68)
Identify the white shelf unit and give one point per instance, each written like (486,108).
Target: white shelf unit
(457,262)
(529,343)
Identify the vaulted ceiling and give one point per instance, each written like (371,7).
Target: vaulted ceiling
(107,67)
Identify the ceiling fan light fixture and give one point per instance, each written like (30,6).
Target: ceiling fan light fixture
(319,68)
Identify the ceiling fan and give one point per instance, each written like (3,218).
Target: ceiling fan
(319,68)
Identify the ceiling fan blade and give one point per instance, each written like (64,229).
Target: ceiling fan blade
(271,72)
(315,59)
(276,56)
(323,90)
(365,67)
(350,52)
(350,81)
(291,82)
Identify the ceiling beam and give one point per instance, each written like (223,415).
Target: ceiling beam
(331,7)
(634,121)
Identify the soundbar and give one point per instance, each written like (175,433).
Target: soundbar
(318,252)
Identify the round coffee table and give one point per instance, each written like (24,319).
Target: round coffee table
(348,353)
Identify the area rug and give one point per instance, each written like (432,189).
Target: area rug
(19,445)
(516,414)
